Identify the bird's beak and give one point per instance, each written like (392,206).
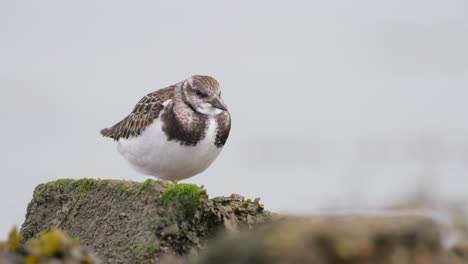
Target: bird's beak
(216,103)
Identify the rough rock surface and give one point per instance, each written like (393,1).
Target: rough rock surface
(129,222)
(161,222)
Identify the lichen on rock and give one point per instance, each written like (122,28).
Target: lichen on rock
(53,246)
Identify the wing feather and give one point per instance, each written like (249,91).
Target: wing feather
(143,114)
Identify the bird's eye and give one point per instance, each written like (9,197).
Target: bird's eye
(198,93)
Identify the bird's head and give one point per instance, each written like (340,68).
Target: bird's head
(203,94)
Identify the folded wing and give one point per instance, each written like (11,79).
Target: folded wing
(145,111)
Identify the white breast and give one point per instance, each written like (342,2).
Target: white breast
(152,154)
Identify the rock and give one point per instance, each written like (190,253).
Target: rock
(332,240)
(161,222)
(53,246)
(129,222)
(459,253)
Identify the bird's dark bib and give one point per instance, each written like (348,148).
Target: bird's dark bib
(224,126)
(184,134)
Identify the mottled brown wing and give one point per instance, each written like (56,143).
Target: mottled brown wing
(145,111)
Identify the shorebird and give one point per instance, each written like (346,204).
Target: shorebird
(176,132)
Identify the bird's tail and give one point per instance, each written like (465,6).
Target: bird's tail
(106,132)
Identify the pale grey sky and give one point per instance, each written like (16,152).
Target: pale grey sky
(333,102)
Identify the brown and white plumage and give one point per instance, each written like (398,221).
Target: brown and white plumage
(176,132)
(144,112)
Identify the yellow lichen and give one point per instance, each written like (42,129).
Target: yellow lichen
(14,240)
(46,247)
(52,242)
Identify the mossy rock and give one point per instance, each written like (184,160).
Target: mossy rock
(131,222)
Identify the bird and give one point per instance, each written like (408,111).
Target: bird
(175,132)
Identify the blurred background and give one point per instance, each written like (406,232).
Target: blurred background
(335,104)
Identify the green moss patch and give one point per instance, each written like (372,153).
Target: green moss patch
(186,198)
(144,186)
(85,185)
(80,187)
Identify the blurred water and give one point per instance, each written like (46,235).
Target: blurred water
(335,104)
